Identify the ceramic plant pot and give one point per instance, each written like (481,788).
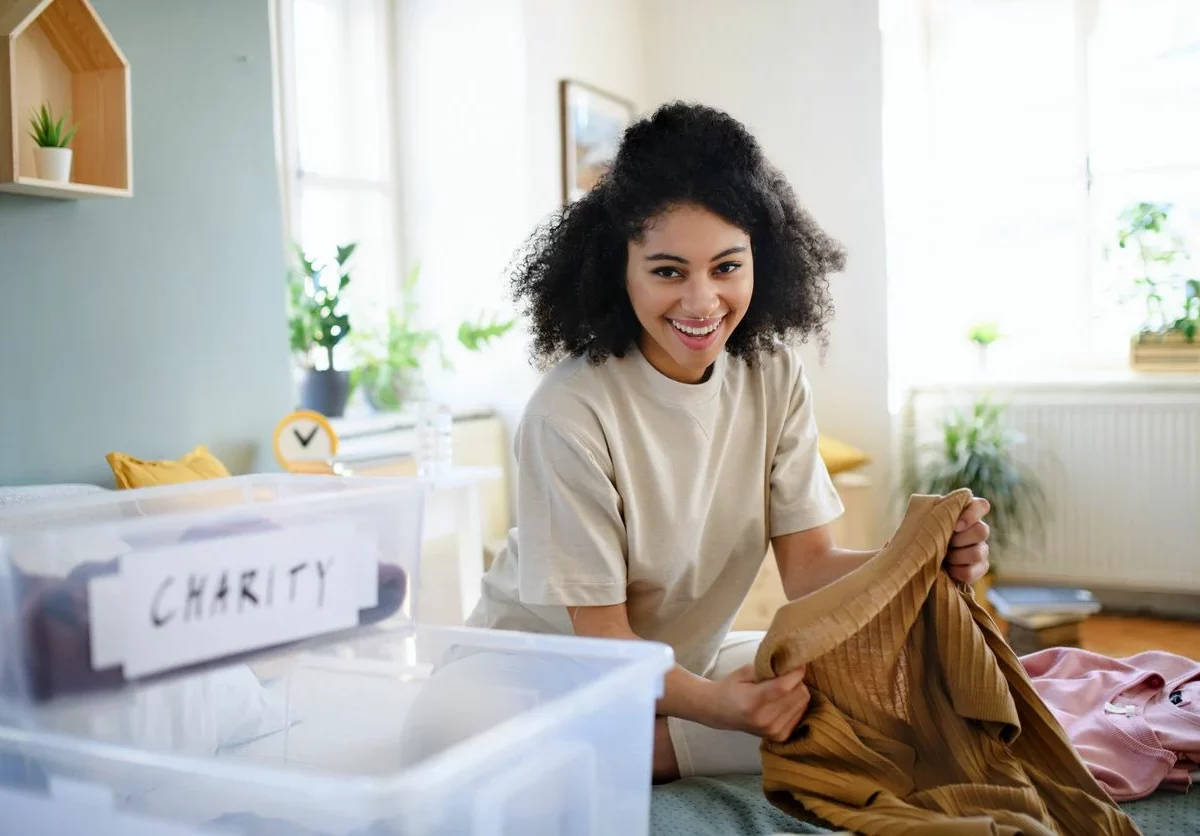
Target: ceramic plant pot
(53,164)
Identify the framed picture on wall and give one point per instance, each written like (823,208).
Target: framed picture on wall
(592,123)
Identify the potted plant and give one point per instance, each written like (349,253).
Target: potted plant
(977,451)
(983,334)
(52,156)
(389,359)
(317,325)
(1157,258)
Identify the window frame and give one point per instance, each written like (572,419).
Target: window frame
(294,178)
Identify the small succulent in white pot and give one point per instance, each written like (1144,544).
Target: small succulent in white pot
(53,153)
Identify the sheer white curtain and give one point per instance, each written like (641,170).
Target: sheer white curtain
(1016,132)
(338,139)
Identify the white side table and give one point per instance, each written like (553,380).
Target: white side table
(451,573)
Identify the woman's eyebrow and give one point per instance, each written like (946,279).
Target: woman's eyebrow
(729,251)
(666,257)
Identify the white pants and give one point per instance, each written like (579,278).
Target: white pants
(467,696)
(701,750)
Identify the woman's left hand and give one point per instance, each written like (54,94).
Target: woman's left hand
(967,557)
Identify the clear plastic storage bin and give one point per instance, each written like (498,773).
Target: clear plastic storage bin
(101,590)
(517,735)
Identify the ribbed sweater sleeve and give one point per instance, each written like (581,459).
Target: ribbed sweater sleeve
(922,719)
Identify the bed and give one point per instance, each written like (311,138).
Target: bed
(735,806)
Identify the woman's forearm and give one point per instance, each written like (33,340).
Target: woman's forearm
(802,577)
(685,695)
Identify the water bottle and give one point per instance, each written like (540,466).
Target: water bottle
(424,415)
(443,437)
(435,432)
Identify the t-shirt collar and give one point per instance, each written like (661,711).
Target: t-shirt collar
(675,391)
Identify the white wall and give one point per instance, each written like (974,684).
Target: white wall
(805,77)
(596,41)
(480,155)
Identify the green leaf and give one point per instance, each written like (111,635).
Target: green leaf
(984,333)
(475,335)
(414,273)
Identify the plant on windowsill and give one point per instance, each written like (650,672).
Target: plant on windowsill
(317,325)
(388,360)
(52,154)
(983,334)
(978,451)
(1158,260)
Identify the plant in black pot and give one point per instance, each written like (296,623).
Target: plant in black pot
(317,325)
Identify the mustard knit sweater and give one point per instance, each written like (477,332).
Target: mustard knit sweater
(922,720)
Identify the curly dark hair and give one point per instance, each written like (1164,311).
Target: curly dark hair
(570,277)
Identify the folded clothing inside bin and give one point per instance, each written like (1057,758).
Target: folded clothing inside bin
(56,623)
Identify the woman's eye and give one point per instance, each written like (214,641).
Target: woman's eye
(667,272)
(728,267)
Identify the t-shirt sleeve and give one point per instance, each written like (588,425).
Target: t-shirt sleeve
(802,492)
(571,534)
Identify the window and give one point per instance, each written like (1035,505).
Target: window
(337,111)
(1016,132)
(1144,83)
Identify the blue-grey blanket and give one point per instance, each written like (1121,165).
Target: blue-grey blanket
(735,806)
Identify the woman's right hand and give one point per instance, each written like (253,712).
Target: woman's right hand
(770,709)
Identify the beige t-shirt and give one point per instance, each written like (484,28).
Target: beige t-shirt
(636,488)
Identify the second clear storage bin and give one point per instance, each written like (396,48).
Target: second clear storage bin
(517,735)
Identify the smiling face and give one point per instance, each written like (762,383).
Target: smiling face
(689,279)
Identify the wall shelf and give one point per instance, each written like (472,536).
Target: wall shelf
(59,51)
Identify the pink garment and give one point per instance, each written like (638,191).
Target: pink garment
(1135,721)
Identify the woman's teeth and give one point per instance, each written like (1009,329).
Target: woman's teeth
(697,332)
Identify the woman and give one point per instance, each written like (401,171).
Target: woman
(673,437)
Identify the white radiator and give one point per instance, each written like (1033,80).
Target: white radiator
(1120,462)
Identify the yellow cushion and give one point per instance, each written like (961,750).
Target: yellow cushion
(131,472)
(839,456)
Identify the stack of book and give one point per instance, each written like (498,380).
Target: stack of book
(1042,616)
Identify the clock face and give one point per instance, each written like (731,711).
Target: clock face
(304,436)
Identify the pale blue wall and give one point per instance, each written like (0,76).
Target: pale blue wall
(156,323)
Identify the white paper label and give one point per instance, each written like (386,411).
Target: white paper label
(192,602)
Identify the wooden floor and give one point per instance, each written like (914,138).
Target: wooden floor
(1119,636)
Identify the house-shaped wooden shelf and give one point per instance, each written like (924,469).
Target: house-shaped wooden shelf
(58,52)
